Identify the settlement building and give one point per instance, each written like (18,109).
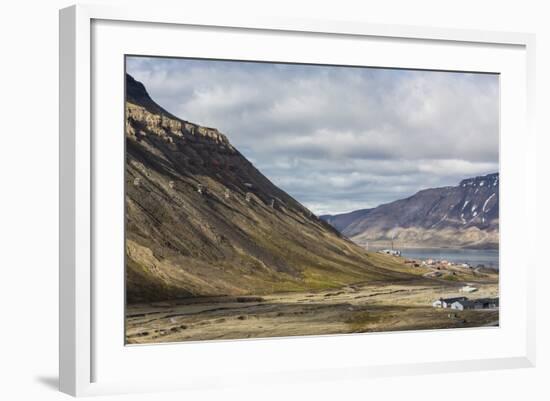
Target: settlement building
(447,302)
(481,303)
(391,252)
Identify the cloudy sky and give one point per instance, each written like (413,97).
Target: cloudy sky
(338,138)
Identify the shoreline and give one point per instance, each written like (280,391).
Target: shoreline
(472,258)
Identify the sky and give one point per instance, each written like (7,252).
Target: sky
(337,138)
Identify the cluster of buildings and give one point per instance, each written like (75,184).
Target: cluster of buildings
(434,262)
(462,303)
(392,252)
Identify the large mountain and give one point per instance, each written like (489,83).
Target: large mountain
(202,220)
(466,215)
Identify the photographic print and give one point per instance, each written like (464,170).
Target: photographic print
(268,199)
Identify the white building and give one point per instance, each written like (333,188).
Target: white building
(447,302)
(461,305)
(391,252)
(438,303)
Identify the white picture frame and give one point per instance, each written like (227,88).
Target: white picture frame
(89,366)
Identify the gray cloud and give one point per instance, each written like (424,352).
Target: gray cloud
(335,138)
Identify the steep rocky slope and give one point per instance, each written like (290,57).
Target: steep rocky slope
(466,215)
(202,220)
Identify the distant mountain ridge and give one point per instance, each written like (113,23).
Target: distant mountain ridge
(341,221)
(466,215)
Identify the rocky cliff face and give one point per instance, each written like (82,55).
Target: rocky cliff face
(202,220)
(466,215)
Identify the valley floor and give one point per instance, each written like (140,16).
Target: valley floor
(354,308)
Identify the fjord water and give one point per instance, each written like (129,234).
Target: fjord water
(474,257)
